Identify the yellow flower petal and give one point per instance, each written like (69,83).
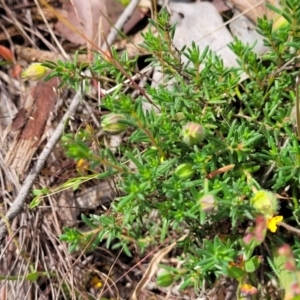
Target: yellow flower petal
(272,223)
(82,165)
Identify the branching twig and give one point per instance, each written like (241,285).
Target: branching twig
(18,203)
(127,13)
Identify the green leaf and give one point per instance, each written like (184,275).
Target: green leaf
(32,276)
(252,264)
(88,222)
(235,272)
(280,12)
(286,277)
(35,202)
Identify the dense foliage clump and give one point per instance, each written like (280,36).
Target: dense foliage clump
(203,154)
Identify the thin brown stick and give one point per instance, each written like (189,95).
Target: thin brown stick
(290,228)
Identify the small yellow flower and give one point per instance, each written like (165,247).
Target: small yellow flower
(82,165)
(96,282)
(35,71)
(272,223)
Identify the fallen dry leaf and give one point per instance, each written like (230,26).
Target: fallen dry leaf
(16,71)
(94,18)
(6,54)
(85,16)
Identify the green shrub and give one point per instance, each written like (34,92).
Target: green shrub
(245,143)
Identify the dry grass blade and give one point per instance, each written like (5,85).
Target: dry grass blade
(153,267)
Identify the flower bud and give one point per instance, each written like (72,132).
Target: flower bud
(265,202)
(192,133)
(286,251)
(35,71)
(207,202)
(110,123)
(165,279)
(184,171)
(179,116)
